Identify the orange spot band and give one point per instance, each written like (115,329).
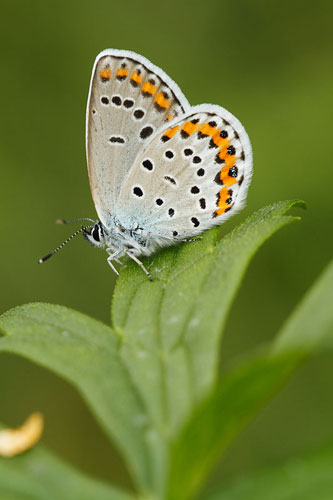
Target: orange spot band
(229,160)
(105,74)
(161,101)
(220,141)
(171,131)
(206,129)
(224,196)
(190,127)
(148,88)
(135,77)
(225,177)
(122,73)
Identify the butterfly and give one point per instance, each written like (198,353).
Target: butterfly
(160,171)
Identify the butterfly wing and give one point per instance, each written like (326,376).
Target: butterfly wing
(129,100)
(192,175)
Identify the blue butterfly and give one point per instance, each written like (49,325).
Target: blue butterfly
(160,170)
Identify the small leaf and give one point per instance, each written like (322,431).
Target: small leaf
(84,352)
(308,477)
(243,391)
(38,474)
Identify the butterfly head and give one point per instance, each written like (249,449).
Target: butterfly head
(95,235)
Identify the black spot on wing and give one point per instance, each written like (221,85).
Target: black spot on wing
(201,135)
(115,139)
(170,179)
(128,103)
(202,203)
(147,164)
(218,159)
(218,179)
(146,132)
(138,114)
(195,221)
(233,171)
(138,191)
(116,100)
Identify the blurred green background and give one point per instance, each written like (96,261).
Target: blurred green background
(269,63)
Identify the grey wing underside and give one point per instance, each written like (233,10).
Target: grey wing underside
(190,177)
(129,100)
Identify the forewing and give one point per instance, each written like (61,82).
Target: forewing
(193,175)
(129,99)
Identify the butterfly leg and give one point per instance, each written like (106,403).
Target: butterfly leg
(133,257)
(112,266)
(113,257)
(118,261)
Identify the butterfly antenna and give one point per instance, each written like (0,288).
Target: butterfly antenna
(81,219)
(83,229)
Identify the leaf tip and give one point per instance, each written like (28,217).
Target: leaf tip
(299,204)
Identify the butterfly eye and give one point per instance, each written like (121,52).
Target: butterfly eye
(95,234)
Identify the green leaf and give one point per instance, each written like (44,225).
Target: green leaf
(144,378)
(172,327)
(85,352)
(38,474)
(218,420)
(307,477)
(175,323)
(310,327)
(242,392)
